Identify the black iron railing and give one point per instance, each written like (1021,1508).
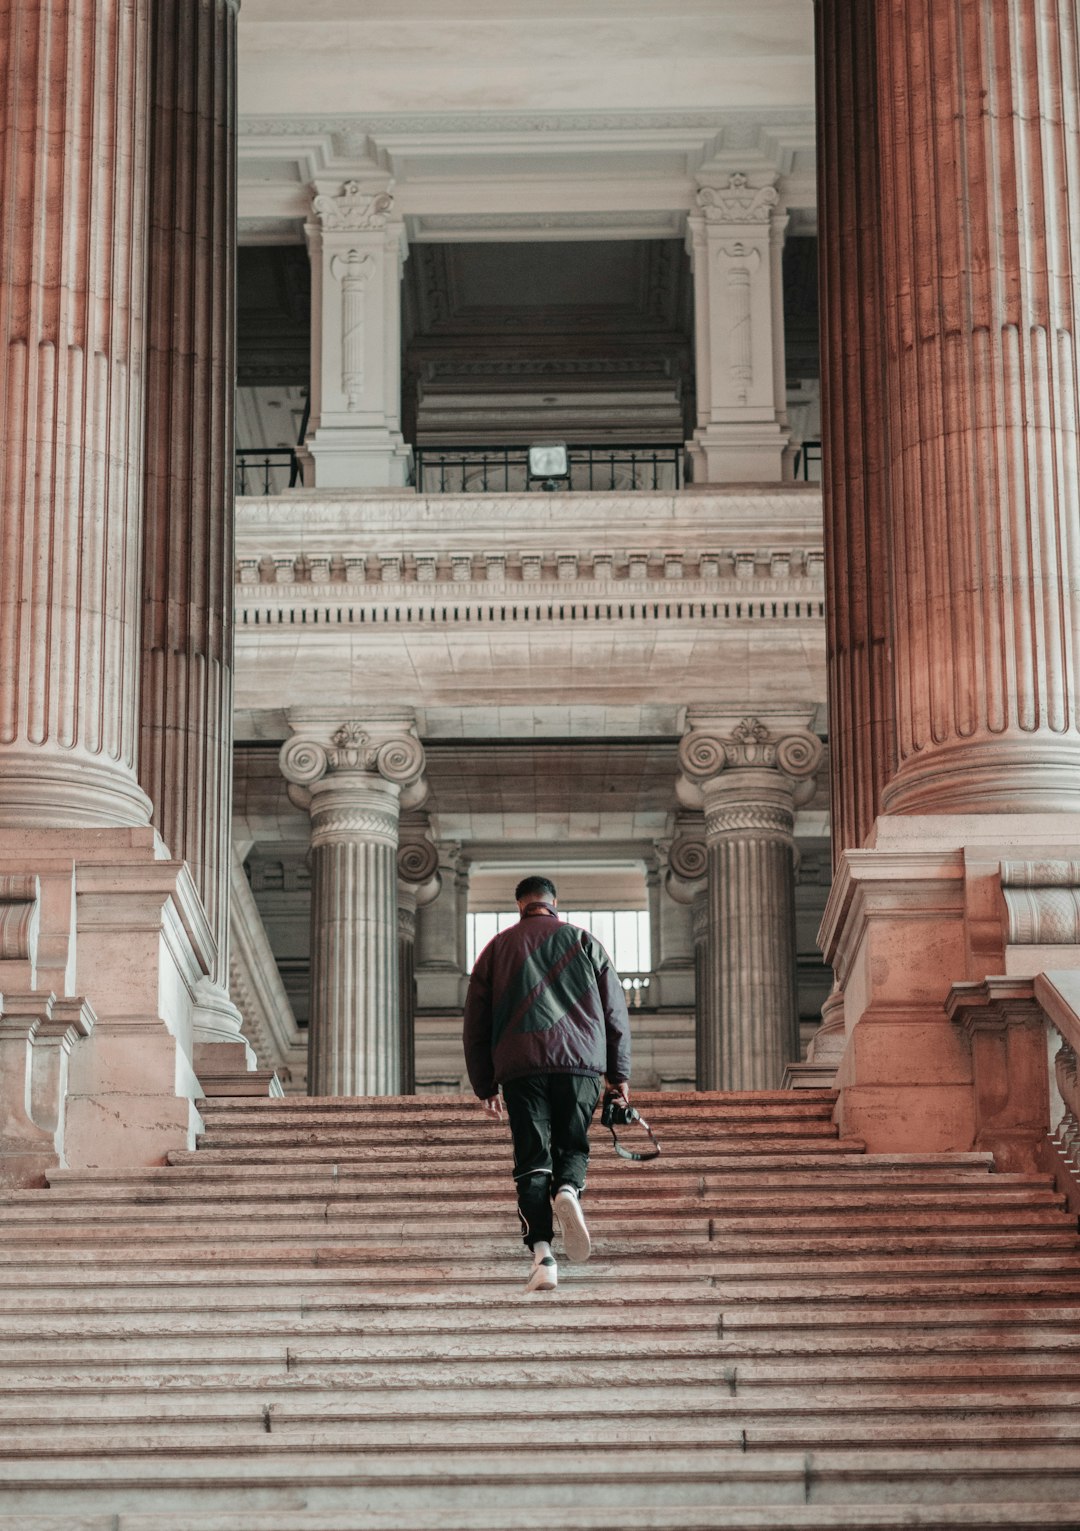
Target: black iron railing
(809,454)
(505,469)
(267,470)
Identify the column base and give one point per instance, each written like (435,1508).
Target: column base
(738,453)
(135,941)
(917,912)
(356,459)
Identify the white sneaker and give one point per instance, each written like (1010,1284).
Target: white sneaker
(576,1239)
(544,1277)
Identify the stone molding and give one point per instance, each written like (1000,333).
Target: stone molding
(1042,902)
(761,820)
(257,990)
(352,209)
(20,918)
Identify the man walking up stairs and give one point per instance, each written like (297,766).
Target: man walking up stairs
(314,1323)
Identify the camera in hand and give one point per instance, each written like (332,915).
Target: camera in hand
(616,1112)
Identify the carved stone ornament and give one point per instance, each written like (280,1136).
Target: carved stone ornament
(750,745)
(353,209)
(1042,902)
(19,917)
(400,759)
(738,201)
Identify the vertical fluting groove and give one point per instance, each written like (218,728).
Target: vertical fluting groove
(978,162)
(354,1041)
(73,196)
(861,709)
(186,703)
(749,1023)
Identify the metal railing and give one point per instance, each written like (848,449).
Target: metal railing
(809,453)
(267,470)
(505,469)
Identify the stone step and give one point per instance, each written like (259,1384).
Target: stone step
(321,1135)
(492,1222)
(758,1151)
(784,1331)
(475,1198)
(466,1481)
(703,1102)
(1042,1516)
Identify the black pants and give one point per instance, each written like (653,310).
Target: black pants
(549,1122)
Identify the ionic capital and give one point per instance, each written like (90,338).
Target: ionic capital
(418,859)
(355,776)
(351,209)
(687,856)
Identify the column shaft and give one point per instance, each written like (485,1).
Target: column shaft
(186,721)
(752,1002)
(861,709)
(354,1034)
(979,154)
(73,182)
(407,990)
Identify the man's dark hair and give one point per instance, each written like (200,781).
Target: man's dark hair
(528,886)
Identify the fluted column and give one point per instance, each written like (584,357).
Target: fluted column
(185,762)
(354,779)
(854,423)
(748,778)
(419,882)
(73,184)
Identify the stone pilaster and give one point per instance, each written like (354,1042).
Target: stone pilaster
(185,759)
(73,185)
(357,245)
(735,240)
(686,882)
(748,778)
(354,780)
(441,931)
(419,883)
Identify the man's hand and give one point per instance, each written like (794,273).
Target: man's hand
(622,1089)
(493,1106)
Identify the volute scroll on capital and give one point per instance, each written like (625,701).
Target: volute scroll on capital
(352,209)
(352,750)
(796,753)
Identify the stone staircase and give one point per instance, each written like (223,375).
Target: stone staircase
(316,1323)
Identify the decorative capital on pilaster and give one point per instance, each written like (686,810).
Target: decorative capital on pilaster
(736,201)
(352,209)
(418,862)
(687,860)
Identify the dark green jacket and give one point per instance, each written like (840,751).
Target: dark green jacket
(544,999)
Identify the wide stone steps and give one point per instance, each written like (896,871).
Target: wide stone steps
(316,1321)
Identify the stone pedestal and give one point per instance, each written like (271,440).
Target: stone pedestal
(354,779)
(746,777)
(735,242)
(185,743)
(968,738)
(357,247)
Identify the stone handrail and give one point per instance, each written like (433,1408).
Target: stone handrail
(1024,1036)
(1058,993)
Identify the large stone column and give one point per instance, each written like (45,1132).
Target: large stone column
(185,760)
(73,184)
(748,778)
(854,430)
(357,247)
(951,130)
(735,240)
(354,780)
(980,208)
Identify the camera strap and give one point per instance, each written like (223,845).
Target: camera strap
(628,1153)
